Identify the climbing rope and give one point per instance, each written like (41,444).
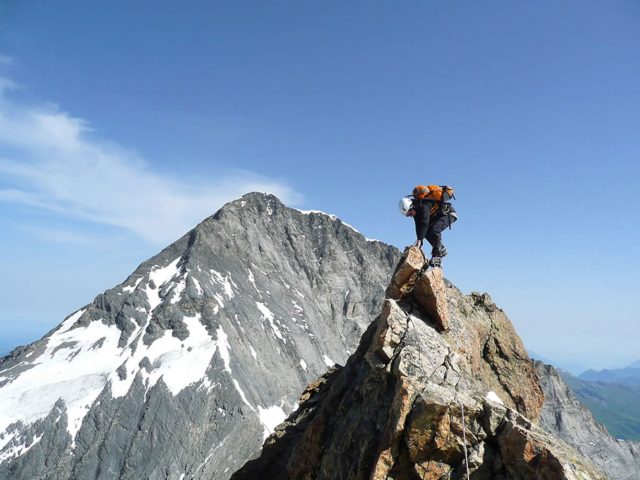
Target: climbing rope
(464,439)
(464,428)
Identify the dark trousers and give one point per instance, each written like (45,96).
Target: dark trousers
(434,233)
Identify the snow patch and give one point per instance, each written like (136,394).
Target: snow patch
(20,449)
(197,284)
(131,288)
(350,226)
(268,315)
(7,438)
(317,212)
(303,364)
(73,318)
(253,353)
(159,276)
(253,265)
(252,281)
(179,363)
(296,306)
(178,290)
(242,395)
(270,418)
(493,397)
(223,344)
(332,217)
(225,282)
(328,361)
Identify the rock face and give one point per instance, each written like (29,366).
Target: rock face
(185,368)
(411,398)
(566,418)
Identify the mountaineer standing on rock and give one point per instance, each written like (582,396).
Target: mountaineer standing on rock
(432,213)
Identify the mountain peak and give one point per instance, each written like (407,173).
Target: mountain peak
(211,340)
(259,197)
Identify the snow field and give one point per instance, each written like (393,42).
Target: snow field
(78,363)
(76,373)
(270,418)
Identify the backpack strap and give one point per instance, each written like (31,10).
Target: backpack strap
(445,191)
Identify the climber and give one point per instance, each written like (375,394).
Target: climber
(432,213)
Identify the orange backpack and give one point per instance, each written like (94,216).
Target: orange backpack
(439,193)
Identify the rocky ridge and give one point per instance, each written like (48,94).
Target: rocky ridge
(180,371)
(425,382)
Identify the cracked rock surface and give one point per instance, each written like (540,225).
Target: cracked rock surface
(395,410)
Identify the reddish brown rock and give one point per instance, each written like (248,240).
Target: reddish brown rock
(406,273)
(400,408)
(389,334)
(529,452)
(430,293)
(431,470)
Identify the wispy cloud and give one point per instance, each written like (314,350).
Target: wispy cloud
(52,160)
(59,235)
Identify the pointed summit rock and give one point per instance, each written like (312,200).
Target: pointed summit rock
(413,402)
(412,278)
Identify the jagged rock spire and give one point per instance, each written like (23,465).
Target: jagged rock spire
(395,410)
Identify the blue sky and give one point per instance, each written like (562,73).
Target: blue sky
(124,124)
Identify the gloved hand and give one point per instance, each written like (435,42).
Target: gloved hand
(418,244)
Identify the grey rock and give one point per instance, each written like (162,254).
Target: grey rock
(565,417)
(279,293)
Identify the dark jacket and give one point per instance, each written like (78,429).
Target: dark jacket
(424,215)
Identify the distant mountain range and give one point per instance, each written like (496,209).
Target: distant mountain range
(617,406)
(626,376)
(612,395)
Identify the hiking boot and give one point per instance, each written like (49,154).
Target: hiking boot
(439,253)
(435,262)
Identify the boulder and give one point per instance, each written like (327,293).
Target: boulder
(430,293)
(406,273)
